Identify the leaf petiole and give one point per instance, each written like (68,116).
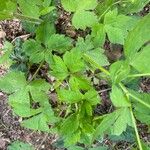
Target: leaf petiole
(133,96)
(138,75)
(91,61)
(136,130)
(139,100)
(36,72)
(27,18)
(132,116)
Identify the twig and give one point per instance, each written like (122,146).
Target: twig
(36,72)
(45,137)
(105,90)
(21,37)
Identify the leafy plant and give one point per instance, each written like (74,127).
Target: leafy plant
(72,63)
(18,145)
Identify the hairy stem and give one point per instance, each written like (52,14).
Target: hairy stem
(136,130)
(132,117)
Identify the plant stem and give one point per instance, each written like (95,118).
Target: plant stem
(27,18)
(139,100)
(133,96)
(136,130)
(138,75)
(91,61)
(36,72)
(124,89)
(132,116)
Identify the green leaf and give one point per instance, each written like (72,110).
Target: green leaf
(16,84)
(59,43)
(115,122)
(76,5)
(118,98)
(119,71)
(122,120)
(40,55)
(114,19)
(117,26)
(86,4)
(79,82)
(47,3)
(104,125)
(87,126)
(5,15)
(47,10)
(141,60)
(72,139)
(49,113)
(5,58)
(30,46)
(7,8)
(59,69)
(73,60)
(2,5)
(115,35)
(145,146)
(92,97)
(11,6)
(34,50)
(86,138)
(38,122)
(20,103)
(29,8)
(18,145)
(44,31)
(80,20)
(133,7)
(69,125)
(12,82)
(98,34)
(69,5)
(103,5)
(86,110)
(142,113)
(85,44)
(98,56)
(142,36)
(38,90)
(39,96)
(40,85)
(49,57)
(69,96)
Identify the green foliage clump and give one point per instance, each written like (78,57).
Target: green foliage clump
(69,61)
